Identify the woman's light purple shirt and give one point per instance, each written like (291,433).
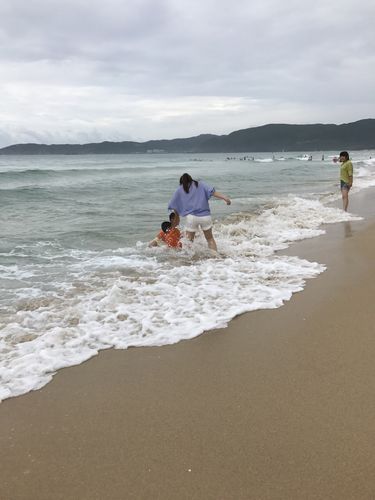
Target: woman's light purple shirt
(195,202)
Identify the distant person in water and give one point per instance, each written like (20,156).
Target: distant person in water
(346,178)
(190,200)
(168,234)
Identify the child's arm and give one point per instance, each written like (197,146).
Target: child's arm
(155,242)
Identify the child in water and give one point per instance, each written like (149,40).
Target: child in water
(168,234)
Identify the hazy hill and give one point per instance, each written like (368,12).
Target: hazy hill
(273,137)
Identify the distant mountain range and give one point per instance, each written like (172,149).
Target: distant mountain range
(267,138)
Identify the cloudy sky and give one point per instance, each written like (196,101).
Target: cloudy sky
(75,71)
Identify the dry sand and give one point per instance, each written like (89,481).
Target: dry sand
(280,405)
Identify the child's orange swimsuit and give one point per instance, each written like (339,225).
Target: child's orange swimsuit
(171,237)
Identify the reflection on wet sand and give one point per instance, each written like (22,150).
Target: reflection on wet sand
(348,229)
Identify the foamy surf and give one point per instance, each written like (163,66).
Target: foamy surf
(68,305)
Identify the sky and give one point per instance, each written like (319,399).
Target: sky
(78,71)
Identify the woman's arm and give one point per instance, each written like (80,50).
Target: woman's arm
(176,219)
(221,197)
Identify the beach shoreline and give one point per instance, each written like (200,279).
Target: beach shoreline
(278,405)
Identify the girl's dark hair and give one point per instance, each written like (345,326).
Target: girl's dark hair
(186,180)
(345,154)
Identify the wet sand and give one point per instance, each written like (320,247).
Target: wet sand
(279,405)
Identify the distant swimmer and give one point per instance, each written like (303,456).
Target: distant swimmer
(190,200)
(346,178)
(322,157)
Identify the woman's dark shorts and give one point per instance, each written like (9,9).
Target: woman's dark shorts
(344,185)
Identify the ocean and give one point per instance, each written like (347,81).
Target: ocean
(77,274)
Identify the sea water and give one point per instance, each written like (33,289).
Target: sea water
(77,274)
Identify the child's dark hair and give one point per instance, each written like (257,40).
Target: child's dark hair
(172,215)
(186,180)
(165,226)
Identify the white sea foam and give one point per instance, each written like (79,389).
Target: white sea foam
(364,175)
(142,296)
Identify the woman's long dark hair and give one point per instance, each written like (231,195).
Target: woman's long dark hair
(186,180)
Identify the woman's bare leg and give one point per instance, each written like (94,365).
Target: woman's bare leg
(190,236)
(210,240)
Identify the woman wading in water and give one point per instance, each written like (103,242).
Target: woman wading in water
(190,200)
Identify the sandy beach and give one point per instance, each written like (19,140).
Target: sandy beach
(278,406)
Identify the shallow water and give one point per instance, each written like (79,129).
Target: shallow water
(77,276)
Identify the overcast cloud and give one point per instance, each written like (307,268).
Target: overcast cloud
(78,71)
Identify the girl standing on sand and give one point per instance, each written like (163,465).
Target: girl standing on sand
(190,200)
(346,178)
